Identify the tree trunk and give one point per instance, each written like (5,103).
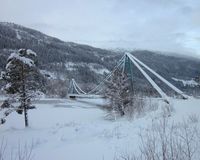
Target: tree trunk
(25,116)
(120,109)
(24,98)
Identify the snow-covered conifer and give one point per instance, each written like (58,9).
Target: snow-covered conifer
(23,81)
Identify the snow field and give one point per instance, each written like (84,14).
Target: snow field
(78,130)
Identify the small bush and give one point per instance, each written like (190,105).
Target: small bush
(165,141)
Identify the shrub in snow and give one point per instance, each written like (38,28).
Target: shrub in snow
(122,99)
(193,118)
(23,80)
(167,141)
(117,91)
(57,87)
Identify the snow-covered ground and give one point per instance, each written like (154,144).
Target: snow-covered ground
(191,83)
(93,67)
(79,130)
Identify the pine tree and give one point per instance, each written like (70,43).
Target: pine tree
(23,81)
(117,90)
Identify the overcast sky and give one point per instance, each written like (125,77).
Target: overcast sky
(162,25)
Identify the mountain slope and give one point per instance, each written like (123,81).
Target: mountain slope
(180,71)
(66,60)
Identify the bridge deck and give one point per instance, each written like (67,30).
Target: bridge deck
(85,96)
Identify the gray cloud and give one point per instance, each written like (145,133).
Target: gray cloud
(165,25)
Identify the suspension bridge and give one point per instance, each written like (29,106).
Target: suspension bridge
(125,65)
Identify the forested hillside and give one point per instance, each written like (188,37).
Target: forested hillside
(60,61)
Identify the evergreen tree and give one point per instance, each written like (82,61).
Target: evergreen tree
(117,90)
(23,81)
